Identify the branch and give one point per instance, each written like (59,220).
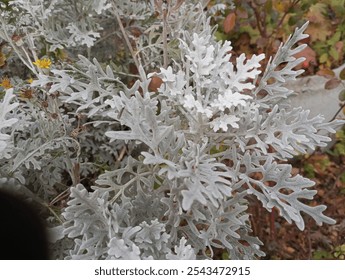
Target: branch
(165,35)
(136,61)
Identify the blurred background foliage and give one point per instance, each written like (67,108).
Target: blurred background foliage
(260,26)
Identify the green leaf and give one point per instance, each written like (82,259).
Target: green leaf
(339,252)
(309,170)
(268,7)
(342,95)
(342,74)
(220,36)
(322,255)
(334,53)
(340,149)
(334,39)
(219,149)
(158,182)
(323,58)
(293,20)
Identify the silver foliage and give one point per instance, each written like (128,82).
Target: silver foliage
(156,175)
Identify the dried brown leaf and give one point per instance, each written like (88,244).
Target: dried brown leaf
(332,83)
(229,22)
(155,83)
(326,72)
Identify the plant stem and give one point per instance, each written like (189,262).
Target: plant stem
(165,35)
(135,59)
(339,110)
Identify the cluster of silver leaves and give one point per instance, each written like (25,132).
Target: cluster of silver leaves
(174,168)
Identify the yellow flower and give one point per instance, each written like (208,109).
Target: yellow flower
(43,63)
(6,83)
(30,80)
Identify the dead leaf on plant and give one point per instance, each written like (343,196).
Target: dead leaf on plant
(332,83)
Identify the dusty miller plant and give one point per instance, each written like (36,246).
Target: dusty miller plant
(163,173)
